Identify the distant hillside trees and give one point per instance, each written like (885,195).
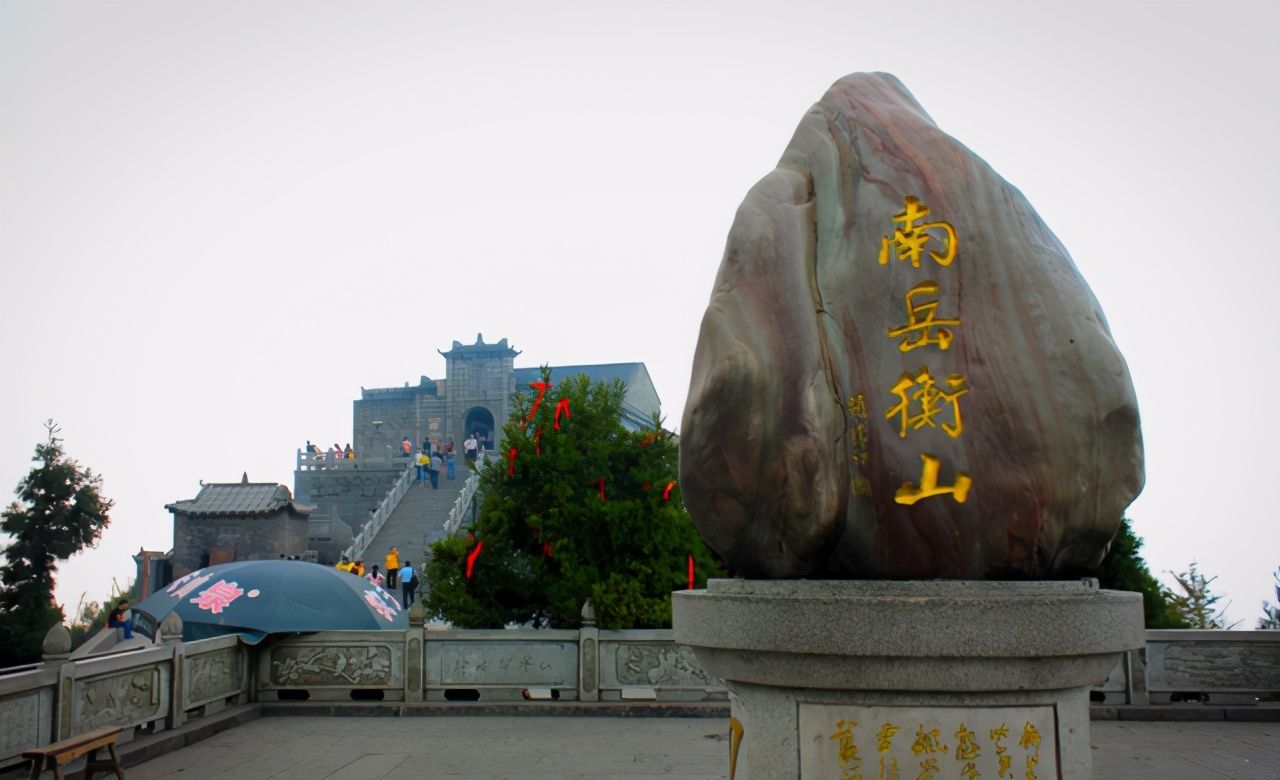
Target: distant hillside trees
(577,507)
(60,510)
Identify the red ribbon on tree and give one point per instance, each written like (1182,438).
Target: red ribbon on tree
(471,559)
(542,388)
(563,405)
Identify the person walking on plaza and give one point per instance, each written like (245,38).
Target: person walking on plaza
(408,584)
(406,448)
(375,577)
(448,461)
(349,453)
(122,617)
(469,448)
(393,567)
(437,463)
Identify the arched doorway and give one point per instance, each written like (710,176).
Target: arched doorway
(479,420)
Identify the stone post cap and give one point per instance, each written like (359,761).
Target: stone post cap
(588,613)
(171,628)
(57,643)
(417,614)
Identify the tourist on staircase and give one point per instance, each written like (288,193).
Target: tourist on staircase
(393,567)
(423,463)
(437,463)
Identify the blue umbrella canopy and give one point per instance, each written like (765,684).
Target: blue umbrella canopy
(256,598)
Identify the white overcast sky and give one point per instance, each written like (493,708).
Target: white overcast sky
(219,220)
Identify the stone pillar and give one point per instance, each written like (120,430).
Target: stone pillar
(588,655)
(832,678)
(170,635)
(414,663)
(56,652)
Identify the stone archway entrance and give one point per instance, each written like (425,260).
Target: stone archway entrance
(479,420)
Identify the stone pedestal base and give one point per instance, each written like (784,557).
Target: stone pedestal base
(841,679)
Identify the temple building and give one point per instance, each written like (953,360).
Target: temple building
(235,522)
(475,397)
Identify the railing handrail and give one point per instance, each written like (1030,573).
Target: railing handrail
(461,505)
(379,516)
(320,461)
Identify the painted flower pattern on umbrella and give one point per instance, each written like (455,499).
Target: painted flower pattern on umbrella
(379,601)
(218,596)
(182,586)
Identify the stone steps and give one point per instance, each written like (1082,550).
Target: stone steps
(420,517)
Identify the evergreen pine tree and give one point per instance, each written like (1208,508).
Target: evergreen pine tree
(1270,620)
(1196,604)
(1124,569)
(577,507)
(60,511)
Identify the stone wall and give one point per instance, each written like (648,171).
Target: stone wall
(353,490)
(241,537)
(416,412)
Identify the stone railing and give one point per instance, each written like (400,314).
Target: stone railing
(378,517)
(145,688)
(494,665)
(460,507)
(312,461)
(1222,667)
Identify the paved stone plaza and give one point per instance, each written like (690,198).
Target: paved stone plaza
(577,748)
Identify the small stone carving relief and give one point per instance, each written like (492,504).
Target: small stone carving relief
(475,663)
(213,675)
(20,724)
(661,665)
(588,665)
(360,665)
(120,700)
(1209,666)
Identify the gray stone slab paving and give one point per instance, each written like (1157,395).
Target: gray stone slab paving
(1185,751)
(577,748)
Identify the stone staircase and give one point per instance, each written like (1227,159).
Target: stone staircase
(417,520)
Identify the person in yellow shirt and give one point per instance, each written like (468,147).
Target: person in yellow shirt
(345,565)
(357,568)
(393,567)
(423,462)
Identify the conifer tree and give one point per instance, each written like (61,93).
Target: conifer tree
(1196,604)
(60,511)
(577,507)
(1125,569)
(1270,620)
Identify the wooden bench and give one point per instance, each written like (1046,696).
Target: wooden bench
(68,750)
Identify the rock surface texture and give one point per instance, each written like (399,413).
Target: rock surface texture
(901,372)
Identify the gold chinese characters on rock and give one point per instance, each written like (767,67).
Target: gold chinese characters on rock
(940,743)
(921,400)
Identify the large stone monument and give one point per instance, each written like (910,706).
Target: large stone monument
(904,391)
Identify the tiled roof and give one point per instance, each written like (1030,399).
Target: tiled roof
(636,408)
(601,372)
(240,498)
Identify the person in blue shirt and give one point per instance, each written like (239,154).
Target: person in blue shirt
(408,583)
(122,617)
